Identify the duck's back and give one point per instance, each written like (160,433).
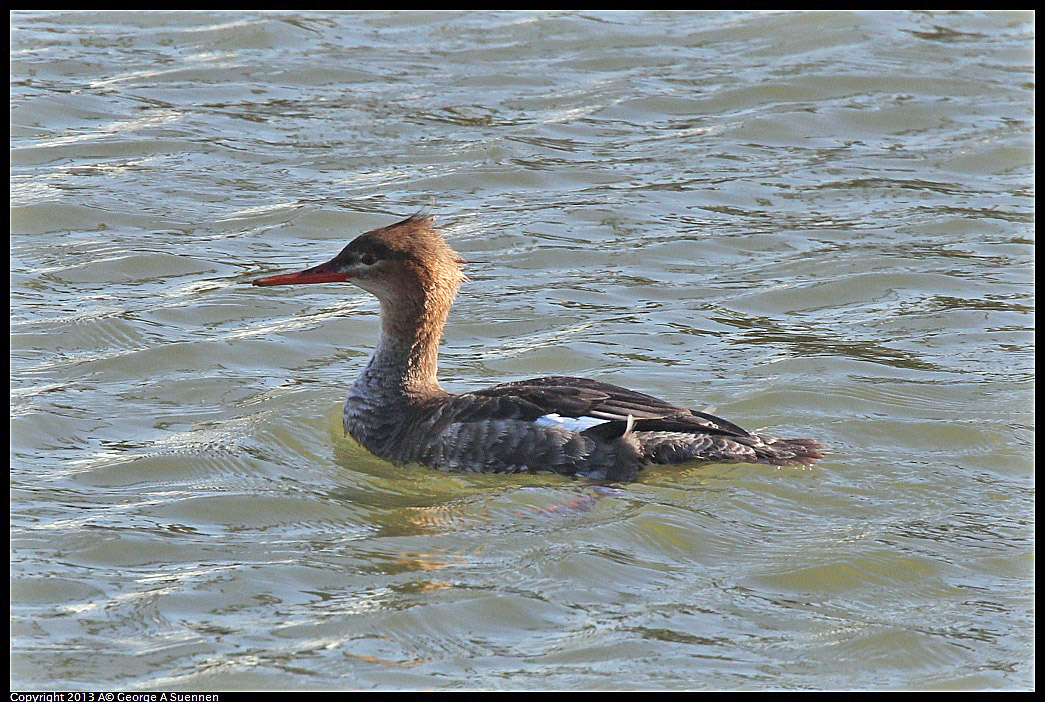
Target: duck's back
(566,425)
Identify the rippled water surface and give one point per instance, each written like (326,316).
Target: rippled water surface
(820,224)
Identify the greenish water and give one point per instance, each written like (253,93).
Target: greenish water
(819,223)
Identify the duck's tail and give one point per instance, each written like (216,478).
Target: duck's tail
(678,447)
(786,452)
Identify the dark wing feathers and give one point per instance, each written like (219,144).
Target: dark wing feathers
(578,397)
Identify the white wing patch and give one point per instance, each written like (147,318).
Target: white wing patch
(569,423)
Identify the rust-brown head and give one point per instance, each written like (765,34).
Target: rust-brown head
(403,261)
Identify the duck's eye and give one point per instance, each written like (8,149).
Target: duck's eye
(368,259)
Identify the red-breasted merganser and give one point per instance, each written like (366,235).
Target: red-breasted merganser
(398,411)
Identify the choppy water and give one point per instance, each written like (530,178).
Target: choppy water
(819,223)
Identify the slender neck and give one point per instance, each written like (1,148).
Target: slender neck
(406,359)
